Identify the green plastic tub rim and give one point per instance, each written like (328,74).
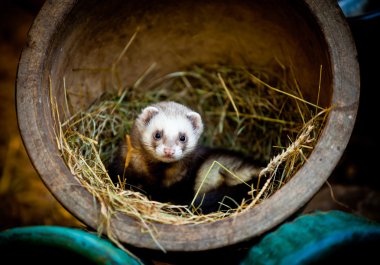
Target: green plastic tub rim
(92,248)
(314,238)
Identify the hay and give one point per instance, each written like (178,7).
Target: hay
(234,102)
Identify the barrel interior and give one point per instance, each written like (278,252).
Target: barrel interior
(175,35)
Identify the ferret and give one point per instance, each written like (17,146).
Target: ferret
(162,158)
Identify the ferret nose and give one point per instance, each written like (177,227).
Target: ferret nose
(168,151)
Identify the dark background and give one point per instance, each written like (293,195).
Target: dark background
(353,187)
(24,200)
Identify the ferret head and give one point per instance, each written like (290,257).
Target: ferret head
(169,131)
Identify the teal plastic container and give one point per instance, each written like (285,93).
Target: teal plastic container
(322,238)
(59,245)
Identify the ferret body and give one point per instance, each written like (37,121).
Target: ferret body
(163,159)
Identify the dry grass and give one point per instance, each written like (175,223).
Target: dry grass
(257,112)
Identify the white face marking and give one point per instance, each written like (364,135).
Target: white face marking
(169,148)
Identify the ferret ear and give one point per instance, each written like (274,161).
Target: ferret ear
(196,121)
(147,114)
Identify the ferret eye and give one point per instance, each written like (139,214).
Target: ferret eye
(157,136)
(182,138)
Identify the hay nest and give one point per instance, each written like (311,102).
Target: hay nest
(259,112)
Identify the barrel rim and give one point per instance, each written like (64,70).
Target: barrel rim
(258,220)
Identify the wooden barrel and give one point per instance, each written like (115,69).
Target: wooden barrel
(68,37)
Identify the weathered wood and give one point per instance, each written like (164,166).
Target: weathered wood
(71,34)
